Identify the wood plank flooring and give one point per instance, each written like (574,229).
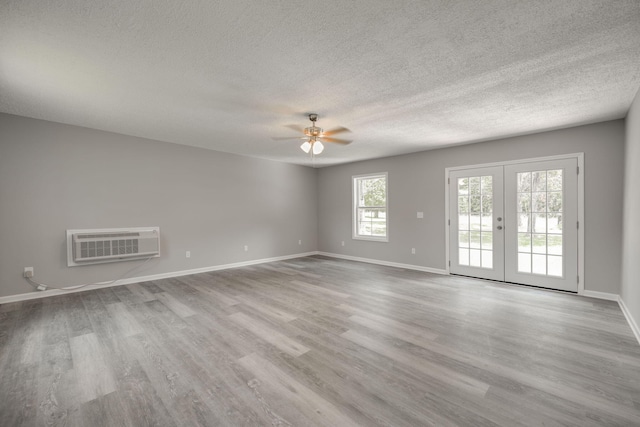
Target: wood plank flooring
(317,342)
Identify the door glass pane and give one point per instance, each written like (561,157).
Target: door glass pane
(524,182)
(463,186)
(475,221)
(539,243)
(474,240)
(539,181)
(463,239)
(554,180)
(487,184)
(463,222)
(524,263)
(474,205)
(554,244)
(539,201)
(487,202)
(487,259)
(487,221)
(463,204)
(538,264)
(524,242)
(474,258)
(555,266)
(554,223)
(524,202)
(554,201)
(474,186)
(487,240)
(539,210)
(463,256)
(539,221)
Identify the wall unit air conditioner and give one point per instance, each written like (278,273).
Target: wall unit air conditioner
(96,246)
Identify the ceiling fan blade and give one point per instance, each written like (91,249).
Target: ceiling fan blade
(296,128)
(282,138)
(336,130)
(336,140)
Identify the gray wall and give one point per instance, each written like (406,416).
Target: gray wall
(631,248)
(55,177)
(416,183)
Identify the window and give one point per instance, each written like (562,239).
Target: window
(370,219)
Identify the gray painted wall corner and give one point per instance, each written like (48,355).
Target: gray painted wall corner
(630,292)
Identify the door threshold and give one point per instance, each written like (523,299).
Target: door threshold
(517,284)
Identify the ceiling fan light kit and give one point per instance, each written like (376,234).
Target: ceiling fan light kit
(317,147)
(306,146)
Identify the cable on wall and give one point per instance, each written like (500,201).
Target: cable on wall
(44,286)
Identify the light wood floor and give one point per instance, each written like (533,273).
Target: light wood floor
(317,341)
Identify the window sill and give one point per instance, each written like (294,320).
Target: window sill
(371,239)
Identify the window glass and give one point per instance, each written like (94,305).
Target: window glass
(370,207)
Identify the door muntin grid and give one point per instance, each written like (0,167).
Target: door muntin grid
(539,216)
(475,221)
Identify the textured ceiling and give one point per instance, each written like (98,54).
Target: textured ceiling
(404,76)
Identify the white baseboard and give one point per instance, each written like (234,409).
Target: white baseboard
(54,292)
(385,263)
(630,319)
(615,297)
(600,295)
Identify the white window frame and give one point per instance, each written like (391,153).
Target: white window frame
(354,212)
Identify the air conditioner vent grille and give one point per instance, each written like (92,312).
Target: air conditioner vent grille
(108,248)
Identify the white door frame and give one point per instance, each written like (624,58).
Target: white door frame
(580,159)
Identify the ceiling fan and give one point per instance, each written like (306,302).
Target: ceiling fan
(315,136)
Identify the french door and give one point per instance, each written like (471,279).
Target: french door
(516,223)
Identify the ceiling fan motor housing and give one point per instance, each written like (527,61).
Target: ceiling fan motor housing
(313,131)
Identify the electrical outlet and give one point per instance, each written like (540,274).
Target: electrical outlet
(413,251)
(246,248)
(343,243)
(420,215)
(188,254)
(299,242)
(28,272)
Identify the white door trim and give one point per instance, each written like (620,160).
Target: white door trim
(580,159)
